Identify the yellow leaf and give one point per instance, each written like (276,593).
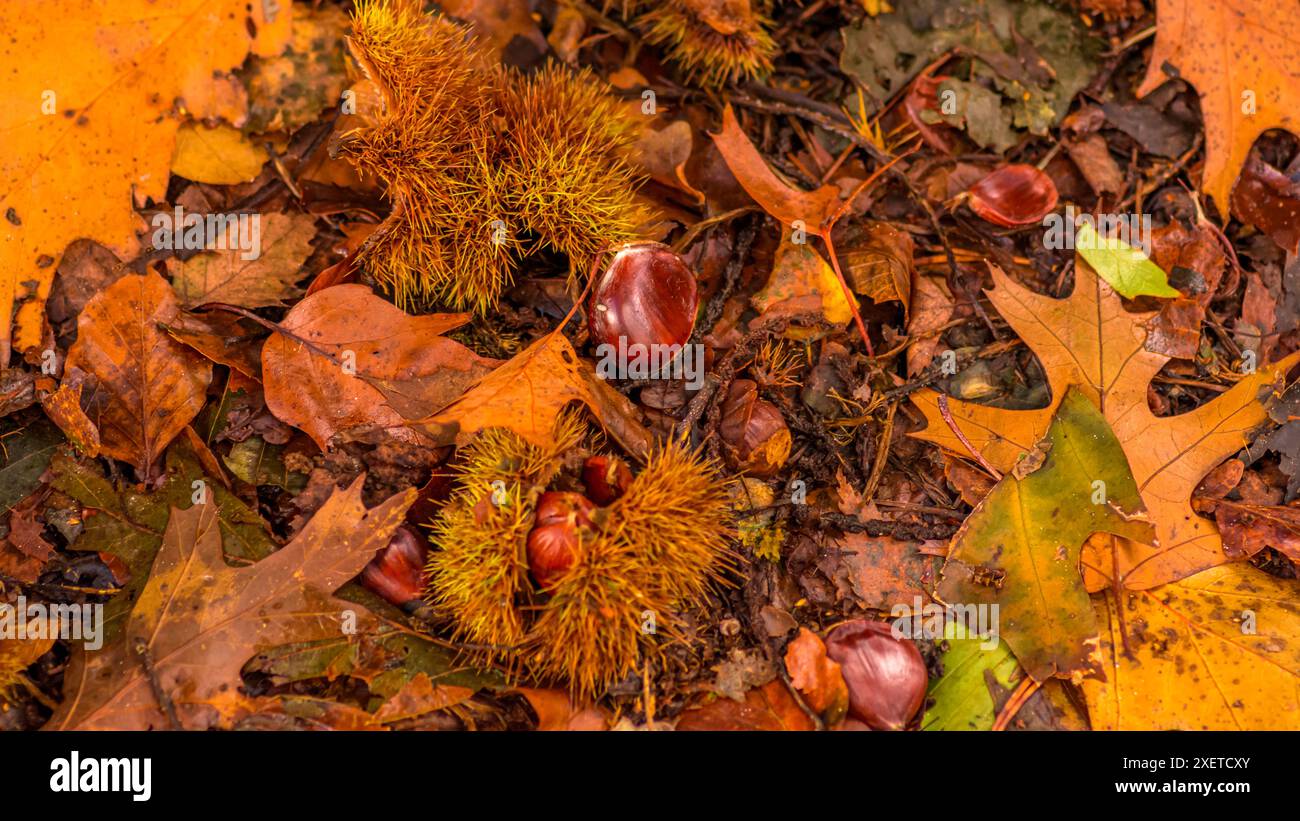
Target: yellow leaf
(1216,651)
(221,155)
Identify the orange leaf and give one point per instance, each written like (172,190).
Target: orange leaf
(783,201)
(348,359)
(814,674)
(1241,56)
(82,142)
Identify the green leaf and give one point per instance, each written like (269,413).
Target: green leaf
(26,453)
(961,697)
(1020,547)
(1126,268)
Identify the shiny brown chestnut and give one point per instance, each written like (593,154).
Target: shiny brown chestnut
(646,296)
(1013,195)
(886,676)
(606,478)
(397,571)
(553,543)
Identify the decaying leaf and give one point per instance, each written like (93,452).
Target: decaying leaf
(1216,651)
(250,280)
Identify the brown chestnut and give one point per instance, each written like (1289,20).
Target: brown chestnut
(886,675)
(646,296)
(553,543)
(1013,195)
(606,478)
(753,431)
(397,571)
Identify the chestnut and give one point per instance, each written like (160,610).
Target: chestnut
(606,478)
(553,542)
(1013,195)
(646,296)
(397,571)
(886,675)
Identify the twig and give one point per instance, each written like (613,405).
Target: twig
(151,672)
(1022,694)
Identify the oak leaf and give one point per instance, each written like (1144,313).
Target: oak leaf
(198,620)
(1089,341)
(1241,57)
(1190,661)
(140,388)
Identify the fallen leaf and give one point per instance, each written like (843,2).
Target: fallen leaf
(140,387)
(1240,55)
(221,155)
(770,707)
(1020,548)
(345,358)
(419,697)
(199,619)
(801,284)
(815,675)
(63,407)
(556,710)
(1248,528)
(528,392)
(1215,651)
(879,265)
(1124,267)
(785,202)
(265,279)
(881,571)
(1087,340)
(287,91)
(960,699)
(79,149)
(932,307)
(1269,200)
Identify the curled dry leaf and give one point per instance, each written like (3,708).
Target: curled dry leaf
(345,358)
(815,675)
(140,387)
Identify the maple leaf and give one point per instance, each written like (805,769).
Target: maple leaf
(198,620)
(1088,341)
(80,143)
(1191,664)
(1241,57)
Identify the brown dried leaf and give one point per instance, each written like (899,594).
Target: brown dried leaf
(140,387)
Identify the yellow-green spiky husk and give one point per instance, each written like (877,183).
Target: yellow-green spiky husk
(648,555)
(479,161)
(708,57)
(478,574)
(432,145)
(566,167)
